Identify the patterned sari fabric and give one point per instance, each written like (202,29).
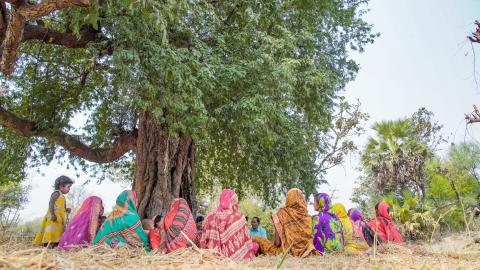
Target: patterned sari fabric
(293,225)
(51,231)
(226,231)
(351,244)
(361,229)
(123,226)
(384,226)
(83,227)
(329,232)
(179,219)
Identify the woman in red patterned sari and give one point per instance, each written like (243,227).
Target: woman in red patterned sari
(177,224)
(226,231)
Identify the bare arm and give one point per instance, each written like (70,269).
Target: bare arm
(277,242)
(51,204)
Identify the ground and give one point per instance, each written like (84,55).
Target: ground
(458,251)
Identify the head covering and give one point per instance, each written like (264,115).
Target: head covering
(384,226)
(293,224)
(361,229)
(83,227)
(178,219)
(355,214)
(341,213)
(329,232)
(226,230)
(123,225)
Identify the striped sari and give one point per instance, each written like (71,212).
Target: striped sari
(177,223)
(226,231)
(123,226)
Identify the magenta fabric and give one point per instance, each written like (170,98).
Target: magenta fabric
(83,227)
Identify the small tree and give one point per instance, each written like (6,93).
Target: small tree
(394,160)
(13,197)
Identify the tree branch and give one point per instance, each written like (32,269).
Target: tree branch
(49,36)
(473,117)
(475,37)
(347,122)
(22,12)
(120,146)
(11,42)
(49,6)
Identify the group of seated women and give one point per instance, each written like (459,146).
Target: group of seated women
(225,230)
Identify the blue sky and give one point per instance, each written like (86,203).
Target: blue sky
(421,59)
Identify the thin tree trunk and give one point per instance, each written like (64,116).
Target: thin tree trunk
(164,168)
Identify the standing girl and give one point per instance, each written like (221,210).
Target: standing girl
(53,224)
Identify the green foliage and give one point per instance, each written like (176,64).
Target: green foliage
(253,207)
(13,197)
(254,83)
(394,160)
(427,193)
(416,221)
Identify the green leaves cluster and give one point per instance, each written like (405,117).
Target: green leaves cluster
(428,193)
(255,83)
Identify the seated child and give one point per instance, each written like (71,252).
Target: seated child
(154,233)
(147,225)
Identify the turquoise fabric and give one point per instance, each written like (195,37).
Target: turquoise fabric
(260,232)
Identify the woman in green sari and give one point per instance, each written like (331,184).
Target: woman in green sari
(123,226)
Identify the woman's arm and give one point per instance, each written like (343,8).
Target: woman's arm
(277,242)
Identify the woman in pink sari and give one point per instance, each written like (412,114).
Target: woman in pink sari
(226,231)
(83,227)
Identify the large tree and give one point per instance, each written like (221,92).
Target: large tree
(195,93)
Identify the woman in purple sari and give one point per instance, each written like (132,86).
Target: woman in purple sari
(83,227)
(328,231)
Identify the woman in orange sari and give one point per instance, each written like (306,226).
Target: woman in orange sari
(293,228)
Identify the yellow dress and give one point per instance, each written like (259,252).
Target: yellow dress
(353,245)
(51,231)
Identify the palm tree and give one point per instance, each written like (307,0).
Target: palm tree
(394,158)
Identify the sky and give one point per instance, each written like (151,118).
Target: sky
(421,59)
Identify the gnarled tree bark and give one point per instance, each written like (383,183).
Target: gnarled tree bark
(164,168)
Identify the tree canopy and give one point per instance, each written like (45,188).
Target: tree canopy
(253,83)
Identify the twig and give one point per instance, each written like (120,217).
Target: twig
(279,264)
(474,65)
(191,242)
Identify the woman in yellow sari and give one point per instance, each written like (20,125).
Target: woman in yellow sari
(293,228)
(351,244)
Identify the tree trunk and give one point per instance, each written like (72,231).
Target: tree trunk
(164,168)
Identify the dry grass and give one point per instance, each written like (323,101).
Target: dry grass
(464,254)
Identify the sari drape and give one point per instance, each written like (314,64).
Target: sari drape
(384,226)
(83,227)
(329,230)
(293,225)
(178,219)
(351,244)
(361,229)
(226,231)
(123,225)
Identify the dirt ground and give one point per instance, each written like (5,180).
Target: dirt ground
(453,252)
